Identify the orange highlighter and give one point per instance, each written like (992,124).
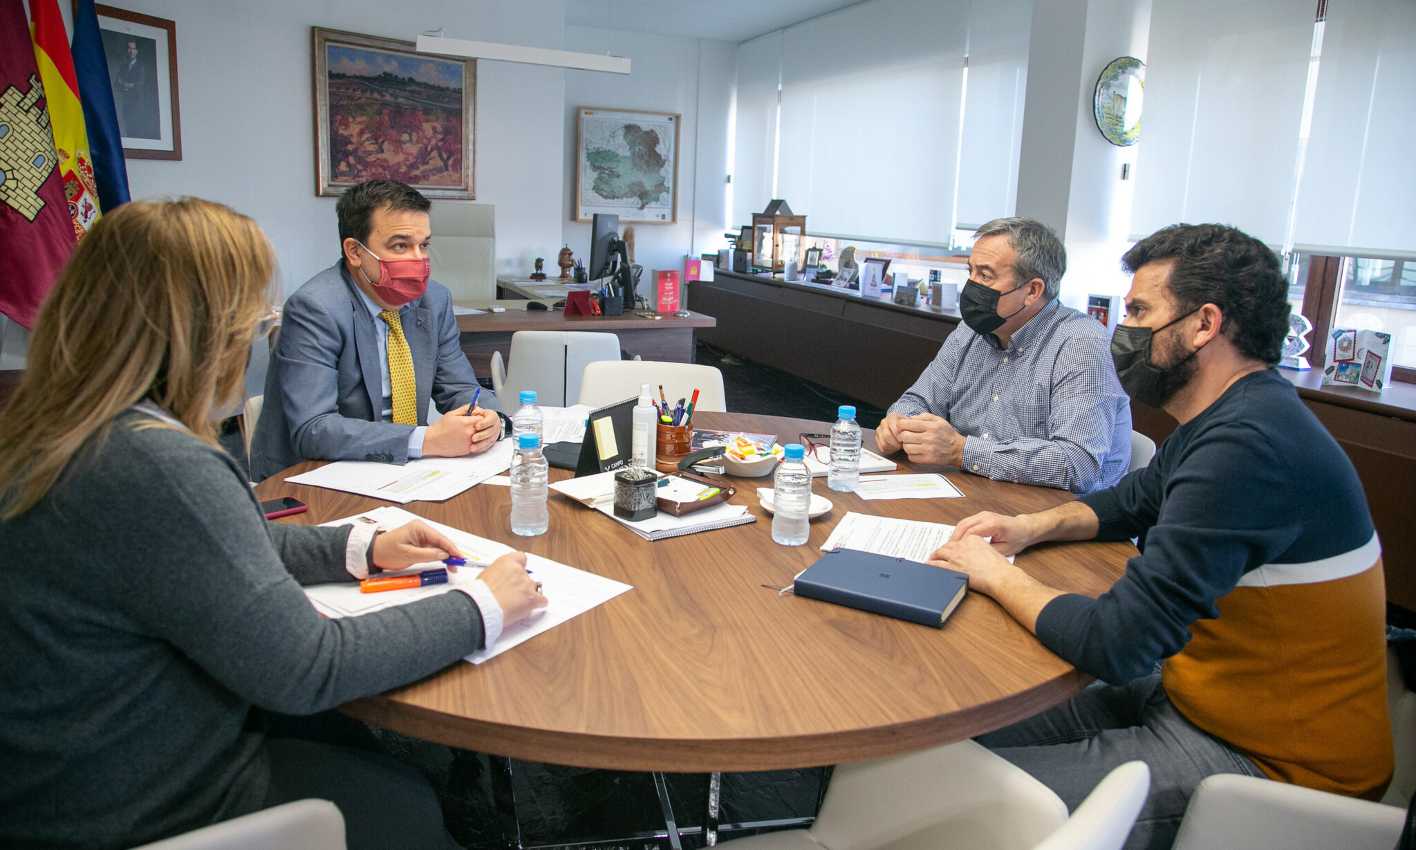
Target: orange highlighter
(423,579)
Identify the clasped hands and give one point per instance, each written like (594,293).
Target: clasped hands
(416,543)
(926,438)
(469,431)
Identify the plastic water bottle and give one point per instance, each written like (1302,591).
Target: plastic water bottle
(528,418)
(791,498)
(644,430)
(529,514)
(845,451)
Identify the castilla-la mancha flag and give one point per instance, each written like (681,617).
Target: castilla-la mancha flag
(66,113)
(36,233)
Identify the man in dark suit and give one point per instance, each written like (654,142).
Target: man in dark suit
(365,344)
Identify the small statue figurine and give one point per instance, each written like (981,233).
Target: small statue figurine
(538,274)
(564,260)
(628,237)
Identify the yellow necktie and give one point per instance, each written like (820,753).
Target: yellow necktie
(400,371)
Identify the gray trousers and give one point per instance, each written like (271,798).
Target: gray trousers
(1072,747)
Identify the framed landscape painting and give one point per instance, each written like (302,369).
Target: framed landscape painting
(383,111)
(626,163)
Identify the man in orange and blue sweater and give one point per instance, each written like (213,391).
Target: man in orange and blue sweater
(1259,587)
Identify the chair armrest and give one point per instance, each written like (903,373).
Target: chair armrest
(308,824)
(1246,813)
(498,373)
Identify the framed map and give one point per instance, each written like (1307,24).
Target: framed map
(384,111)
(626,163)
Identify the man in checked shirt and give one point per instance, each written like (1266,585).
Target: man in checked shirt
(1025,390)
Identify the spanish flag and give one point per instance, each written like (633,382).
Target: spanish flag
(66,113)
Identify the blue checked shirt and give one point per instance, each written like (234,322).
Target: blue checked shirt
(1046,410)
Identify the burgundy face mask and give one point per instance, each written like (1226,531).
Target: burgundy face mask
(400,281)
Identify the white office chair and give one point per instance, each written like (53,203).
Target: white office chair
(250,415)
(1105,817)
(960,796)
(1142,450)
(605,383)
(308,824)
(549,362)
(1247,813)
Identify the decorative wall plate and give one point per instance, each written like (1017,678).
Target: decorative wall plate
(1116,105)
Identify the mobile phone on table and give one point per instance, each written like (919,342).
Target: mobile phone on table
(277,508)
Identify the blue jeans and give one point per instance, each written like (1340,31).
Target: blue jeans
(1072,747)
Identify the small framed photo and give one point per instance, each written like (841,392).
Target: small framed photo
(813,258)
(1371,369)
(141,51)
(1346,345)
(872,275)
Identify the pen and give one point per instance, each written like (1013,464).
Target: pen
(663,398)
(691,404)
(454,561)
(377,585)
(473,405)
(678,412)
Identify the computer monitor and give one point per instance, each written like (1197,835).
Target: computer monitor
(604,231)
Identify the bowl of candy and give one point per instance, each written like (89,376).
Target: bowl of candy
(746,459)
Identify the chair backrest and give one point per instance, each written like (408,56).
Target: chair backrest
(550,362)
(1105,817)
(308,824)
(603,383)
(1142,450)
(250,415)
(1402,702)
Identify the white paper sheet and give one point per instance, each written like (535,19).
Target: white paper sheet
(571,592)
(467,311)
(900,538)
(429,479)
(564,424)
(598,492)
(914,486)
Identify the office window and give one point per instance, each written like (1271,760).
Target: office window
(1380,295)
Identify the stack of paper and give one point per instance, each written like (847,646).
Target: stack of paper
(429,479)
(571,592)
(883,535)
(598,492)
(917,486)
(564,424)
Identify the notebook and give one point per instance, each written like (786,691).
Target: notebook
(869,462)
(598,492)
(885,585)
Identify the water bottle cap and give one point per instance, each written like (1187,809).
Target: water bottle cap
(794,451)
(529,441)
(845,411)
(528,396)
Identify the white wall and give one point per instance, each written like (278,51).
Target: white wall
(693,77)
(248,128)
(1069,175)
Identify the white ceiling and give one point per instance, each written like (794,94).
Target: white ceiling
(727,20)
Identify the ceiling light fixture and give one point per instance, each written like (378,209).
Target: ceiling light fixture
(434,42)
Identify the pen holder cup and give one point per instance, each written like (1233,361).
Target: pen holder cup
(636,494)
(613,306)
(670,445)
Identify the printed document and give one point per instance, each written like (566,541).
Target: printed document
(869,462)
(429,479)
(914,486)
(900,538)
(571,592)
(564,424)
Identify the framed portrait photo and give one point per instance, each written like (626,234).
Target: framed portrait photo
(142,66)
(384,111)
(626,163)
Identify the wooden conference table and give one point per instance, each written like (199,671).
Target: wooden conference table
(701,668)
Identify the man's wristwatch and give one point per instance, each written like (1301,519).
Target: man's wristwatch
(505,425)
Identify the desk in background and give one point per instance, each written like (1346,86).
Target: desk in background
(867,348)
(668,338)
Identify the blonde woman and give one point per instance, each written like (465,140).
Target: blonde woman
(146,606)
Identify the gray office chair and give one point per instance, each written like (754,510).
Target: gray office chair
(551,363)
(1142,450)
(307,824)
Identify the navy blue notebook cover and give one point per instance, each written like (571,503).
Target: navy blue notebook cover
(881,584)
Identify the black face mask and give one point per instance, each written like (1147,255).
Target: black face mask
(1143,380)
(978,304)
